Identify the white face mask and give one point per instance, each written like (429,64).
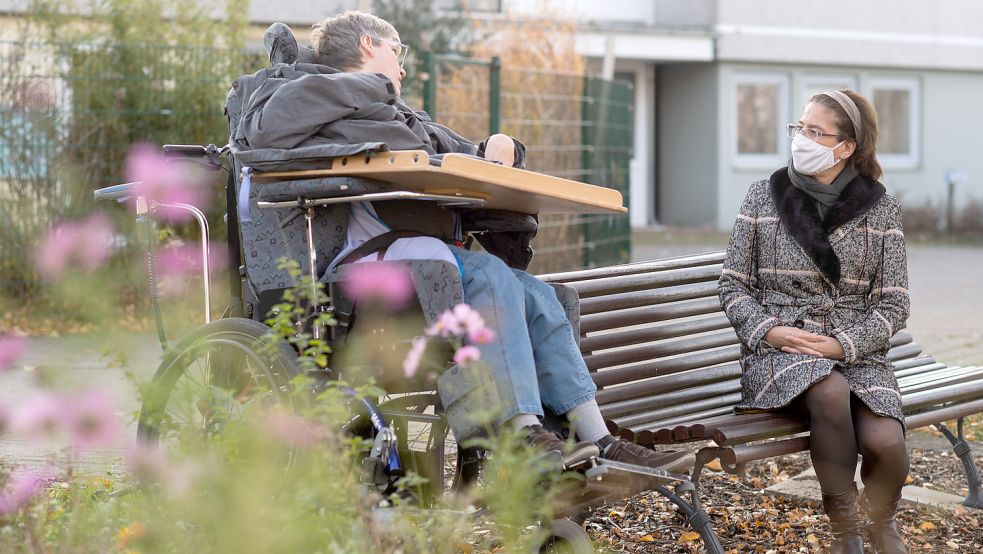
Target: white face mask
(810,157)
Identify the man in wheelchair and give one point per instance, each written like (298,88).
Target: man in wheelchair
(347,94)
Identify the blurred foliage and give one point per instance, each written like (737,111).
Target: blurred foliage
(85,81)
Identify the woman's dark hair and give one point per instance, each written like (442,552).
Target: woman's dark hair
(865,156)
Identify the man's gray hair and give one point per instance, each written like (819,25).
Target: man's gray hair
(335,40)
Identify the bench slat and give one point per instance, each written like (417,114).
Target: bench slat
(667,383)
(648,314)
(918,370)
(654,333)
(950,393)
(647,298)
(653,404)
(741,433)
(677,262)
(647,281)
(948,413)
(661,350)
(665,367)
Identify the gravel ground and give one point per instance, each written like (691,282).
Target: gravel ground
(747,519)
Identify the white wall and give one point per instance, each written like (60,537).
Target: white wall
(886,33)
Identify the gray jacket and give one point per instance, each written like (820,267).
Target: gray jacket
(293,116)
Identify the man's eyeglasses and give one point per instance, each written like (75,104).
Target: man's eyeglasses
(811,133)
(401,49)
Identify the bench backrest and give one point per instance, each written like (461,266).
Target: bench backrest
(658,344)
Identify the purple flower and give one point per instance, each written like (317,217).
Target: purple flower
(86,244)
(412,362)
(23,485)
(12,347)
(481,335)
(459,321)
(92,421)
(466,355)
(390,283)
(292,430)
(162,181)
(39,416)
(175,264)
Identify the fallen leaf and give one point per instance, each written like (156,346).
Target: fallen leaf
(714,465)
(647,538)
(908,480)
(689,536)
(927,526)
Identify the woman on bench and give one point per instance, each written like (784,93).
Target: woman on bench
(815,284)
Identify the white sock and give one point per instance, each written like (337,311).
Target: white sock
(587,421)
(523,420)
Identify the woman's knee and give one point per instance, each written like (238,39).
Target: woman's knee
(828,399)
(881,437)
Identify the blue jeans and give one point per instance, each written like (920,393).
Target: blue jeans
(534,358)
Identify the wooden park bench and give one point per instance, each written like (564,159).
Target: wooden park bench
(665,360)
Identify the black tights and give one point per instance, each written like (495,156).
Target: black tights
(840,427)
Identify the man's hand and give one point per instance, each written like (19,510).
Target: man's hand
(500,148)
(797,341)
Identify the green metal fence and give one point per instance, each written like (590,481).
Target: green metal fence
(70,112)
(574,126)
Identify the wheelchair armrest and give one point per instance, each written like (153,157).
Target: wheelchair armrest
(322,187)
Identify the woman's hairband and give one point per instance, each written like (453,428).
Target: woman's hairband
(850,107)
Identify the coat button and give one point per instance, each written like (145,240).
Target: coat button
(799,323)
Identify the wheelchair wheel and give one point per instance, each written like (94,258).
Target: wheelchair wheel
(212,376)
(566,537)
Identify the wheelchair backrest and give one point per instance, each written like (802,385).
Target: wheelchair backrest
(275,233)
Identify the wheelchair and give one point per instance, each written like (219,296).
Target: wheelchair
(305,220)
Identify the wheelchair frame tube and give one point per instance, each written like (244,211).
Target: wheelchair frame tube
(394,466)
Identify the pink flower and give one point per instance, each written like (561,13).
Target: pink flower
(86,244)
(147,463)
(163,181)
(39,416)
(465,355)
(92,420)
(291,429)
(12,348)
(23,485)
(175,264)
(388,282)
(460,320)
(481,335)
(412,362)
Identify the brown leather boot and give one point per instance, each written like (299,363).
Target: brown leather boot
(844,522)
(883,529)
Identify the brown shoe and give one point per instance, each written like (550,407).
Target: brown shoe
(620,450)
(571,455)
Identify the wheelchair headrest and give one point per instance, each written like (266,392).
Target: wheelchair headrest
(281,46)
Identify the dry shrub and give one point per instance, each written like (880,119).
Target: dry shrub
(921,218)
(969,217)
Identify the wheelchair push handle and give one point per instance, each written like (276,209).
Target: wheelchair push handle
(116,192)
(210,155)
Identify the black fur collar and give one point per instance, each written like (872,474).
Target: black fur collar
(798,212)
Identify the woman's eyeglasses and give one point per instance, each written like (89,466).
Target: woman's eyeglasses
(810,132)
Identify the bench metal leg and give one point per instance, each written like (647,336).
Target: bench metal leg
(697,517)
(961,447)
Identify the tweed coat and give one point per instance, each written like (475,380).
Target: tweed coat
(845,277)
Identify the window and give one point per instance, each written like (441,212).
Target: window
(759,120)
(898,105)
(814,84)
